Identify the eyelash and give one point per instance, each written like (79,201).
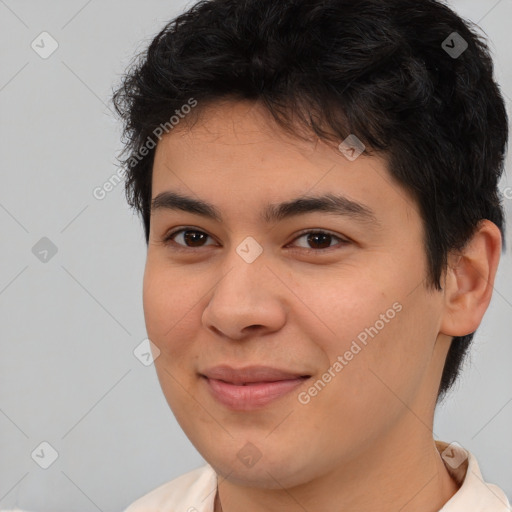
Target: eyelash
(168,240)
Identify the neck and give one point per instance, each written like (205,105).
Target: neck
(403,473)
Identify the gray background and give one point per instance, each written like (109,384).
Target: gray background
(68,375)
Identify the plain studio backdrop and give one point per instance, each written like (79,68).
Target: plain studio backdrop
(71,384)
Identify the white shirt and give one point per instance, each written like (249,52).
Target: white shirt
(195,491)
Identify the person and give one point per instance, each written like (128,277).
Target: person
(318,184)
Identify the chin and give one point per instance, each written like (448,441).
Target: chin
(278,472)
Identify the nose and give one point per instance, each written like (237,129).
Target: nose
(247,300)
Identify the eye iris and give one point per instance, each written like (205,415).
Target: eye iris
(313,238)
(317,240)
(194,238)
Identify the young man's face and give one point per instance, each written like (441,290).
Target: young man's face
(358,298)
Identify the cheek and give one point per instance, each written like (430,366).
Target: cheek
(383,333)
(171,301)
(394,362)
(347,308)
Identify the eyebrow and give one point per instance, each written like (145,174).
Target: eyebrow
(330,203)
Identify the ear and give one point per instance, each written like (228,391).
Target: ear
(470,279)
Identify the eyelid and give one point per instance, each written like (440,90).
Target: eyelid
(167,238)
(342,240)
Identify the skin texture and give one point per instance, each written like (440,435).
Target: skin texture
(365,440)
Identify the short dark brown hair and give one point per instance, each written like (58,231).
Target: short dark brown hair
(379,69)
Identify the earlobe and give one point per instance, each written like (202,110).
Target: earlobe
(470,279)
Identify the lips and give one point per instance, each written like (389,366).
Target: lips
(252,387)
(250,374)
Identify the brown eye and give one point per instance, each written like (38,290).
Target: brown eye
(319,240)
(187,238)
(316,241)
(194,238)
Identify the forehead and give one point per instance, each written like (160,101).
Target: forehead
(235,152)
